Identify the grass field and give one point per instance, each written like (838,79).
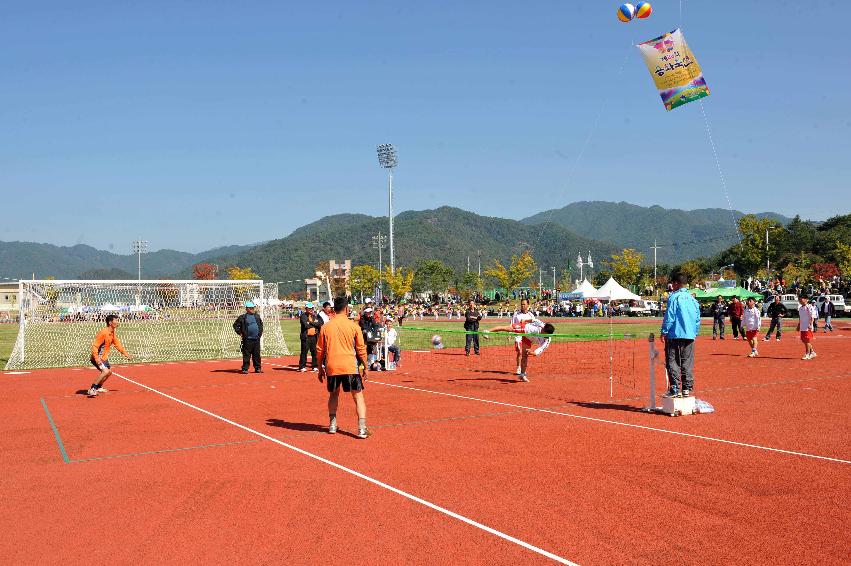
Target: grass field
(581,329)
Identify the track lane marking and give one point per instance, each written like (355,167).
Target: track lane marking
(619,423)
(365,477)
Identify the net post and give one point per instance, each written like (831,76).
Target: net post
(651,340)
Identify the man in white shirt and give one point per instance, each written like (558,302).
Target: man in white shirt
(534,331)
(807,315)
(752,321)
(390,338)
(520,318)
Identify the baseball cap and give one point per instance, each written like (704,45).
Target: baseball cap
(308,305)
(367,309)
(367,300)
(249,304)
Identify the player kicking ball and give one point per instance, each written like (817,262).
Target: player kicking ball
(100,351)
(535,332)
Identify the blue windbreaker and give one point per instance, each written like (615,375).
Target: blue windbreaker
(682,317)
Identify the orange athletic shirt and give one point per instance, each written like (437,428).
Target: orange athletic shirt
(106,338)
(340,345)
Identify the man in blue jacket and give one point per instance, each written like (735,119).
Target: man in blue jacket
(679,329)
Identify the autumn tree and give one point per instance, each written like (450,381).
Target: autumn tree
(518,272)
(843,258)
(205,271)
(626,266)
(235,273)
(400,282)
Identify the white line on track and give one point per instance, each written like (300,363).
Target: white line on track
(371,480)
(619,423)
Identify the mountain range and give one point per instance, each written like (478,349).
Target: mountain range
(450,234)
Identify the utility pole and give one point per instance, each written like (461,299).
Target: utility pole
(767,259)
(468,264)
(479,254)
(554,281)
(654,248)
(540,280)
(388,160)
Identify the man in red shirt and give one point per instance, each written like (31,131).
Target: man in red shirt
(737,310)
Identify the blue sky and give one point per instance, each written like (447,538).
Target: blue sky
(200,124)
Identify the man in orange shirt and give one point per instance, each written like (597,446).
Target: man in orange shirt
(100,351)
(341,354)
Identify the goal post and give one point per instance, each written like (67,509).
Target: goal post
(160,320)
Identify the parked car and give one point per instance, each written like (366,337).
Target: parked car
(638,308)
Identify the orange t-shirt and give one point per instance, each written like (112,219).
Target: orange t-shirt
(106,338)
(340,346)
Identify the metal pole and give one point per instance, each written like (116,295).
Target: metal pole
(554,280)
(390,199)
(767,260)
(651,406)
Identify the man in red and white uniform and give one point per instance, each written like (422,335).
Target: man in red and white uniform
(521,317)
(533,332)
(807,314)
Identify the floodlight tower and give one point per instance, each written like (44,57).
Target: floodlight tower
(387,159)
(140,247)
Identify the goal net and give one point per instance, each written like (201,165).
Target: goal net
(160,320)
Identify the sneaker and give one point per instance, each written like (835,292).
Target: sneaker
(467,353)
(92,392)
(806,357)
(245,371)
(315,370)
(686,392)
(364,433)
(519,371)
(778,339)
(766,339)
(813,355)
(523,378)
(752,355)
(670,393)
(258,371)
(102,389)
(332,428)
(302,369)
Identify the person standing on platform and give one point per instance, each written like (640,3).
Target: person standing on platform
(472,316)
(719,313)
(737,310)
(679,329)
(250,327)
(776,311)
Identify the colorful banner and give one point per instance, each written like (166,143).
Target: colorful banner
(674,68)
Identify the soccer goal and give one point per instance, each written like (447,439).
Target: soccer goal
(160,320)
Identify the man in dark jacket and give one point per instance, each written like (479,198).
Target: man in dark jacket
(719,312)
(827,312)
(737,310)
(310,325)
(250,328)
(472,316)
(776,311)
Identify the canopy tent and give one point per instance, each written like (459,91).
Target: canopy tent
(613,291)
(725,292)
(586,288)
(109,308)
(140,308)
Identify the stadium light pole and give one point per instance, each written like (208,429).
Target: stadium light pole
(140,247)
(387,159)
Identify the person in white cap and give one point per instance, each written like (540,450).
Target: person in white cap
(250,327)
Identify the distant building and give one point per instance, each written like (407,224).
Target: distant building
(332,278)
(9,301)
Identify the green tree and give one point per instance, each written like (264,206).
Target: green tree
(751,251)
(518,272)
(843,258)
(472,282)
(432,276)
(692,270)
(601,277)
(362,279)
(626,266)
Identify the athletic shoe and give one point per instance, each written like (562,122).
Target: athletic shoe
(752,355)
(103,389)
(806,357)
(778,338)
(245,371)
(315,370)
(523,378)
(670,394)
(332,428)
(686,392)
(519,371)
(302,369)
(813,355)
(364,433)
(766,339)
(258,371)
(92,392)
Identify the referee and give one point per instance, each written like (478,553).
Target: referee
(341,355)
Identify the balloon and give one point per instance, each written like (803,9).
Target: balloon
(626,12)
(643,10)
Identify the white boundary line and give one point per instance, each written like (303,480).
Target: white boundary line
(619,423)
(371,480)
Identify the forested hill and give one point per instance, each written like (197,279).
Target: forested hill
(681,234)
(448,234)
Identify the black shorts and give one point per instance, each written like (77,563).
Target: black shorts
(95,363)
(352,382)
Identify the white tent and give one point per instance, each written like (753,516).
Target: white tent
(613,291)
(109,308)
(586,288)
